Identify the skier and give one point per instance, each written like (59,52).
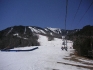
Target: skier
(62,48)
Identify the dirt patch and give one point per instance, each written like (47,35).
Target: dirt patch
(55,69)
(77,60)
(51,69)
(74,57)
(89,67)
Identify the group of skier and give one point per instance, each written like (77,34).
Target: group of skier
(64,46)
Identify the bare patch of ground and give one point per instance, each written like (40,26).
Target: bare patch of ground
(81,60)
(89,67)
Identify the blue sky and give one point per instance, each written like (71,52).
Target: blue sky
(45,13)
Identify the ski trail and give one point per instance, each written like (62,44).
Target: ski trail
(49,56)
(25,31)
(9,31)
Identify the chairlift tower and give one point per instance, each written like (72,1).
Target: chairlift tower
(65,43)
(65,40)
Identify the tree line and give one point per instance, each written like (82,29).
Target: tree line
(83,41)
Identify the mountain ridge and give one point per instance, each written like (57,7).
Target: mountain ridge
(28,35)
(37,29)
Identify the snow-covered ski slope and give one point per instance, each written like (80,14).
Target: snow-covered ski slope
(47,57)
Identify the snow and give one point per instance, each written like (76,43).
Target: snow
(9,31)
(45,58)
(41,31)
(25,31)
(46,29)
(37,30)
(51,34)
(21,37)
(16,34)
(25,38)
(54,30)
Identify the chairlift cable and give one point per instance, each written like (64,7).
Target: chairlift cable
(66,13)
(77,10)
(86,11)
